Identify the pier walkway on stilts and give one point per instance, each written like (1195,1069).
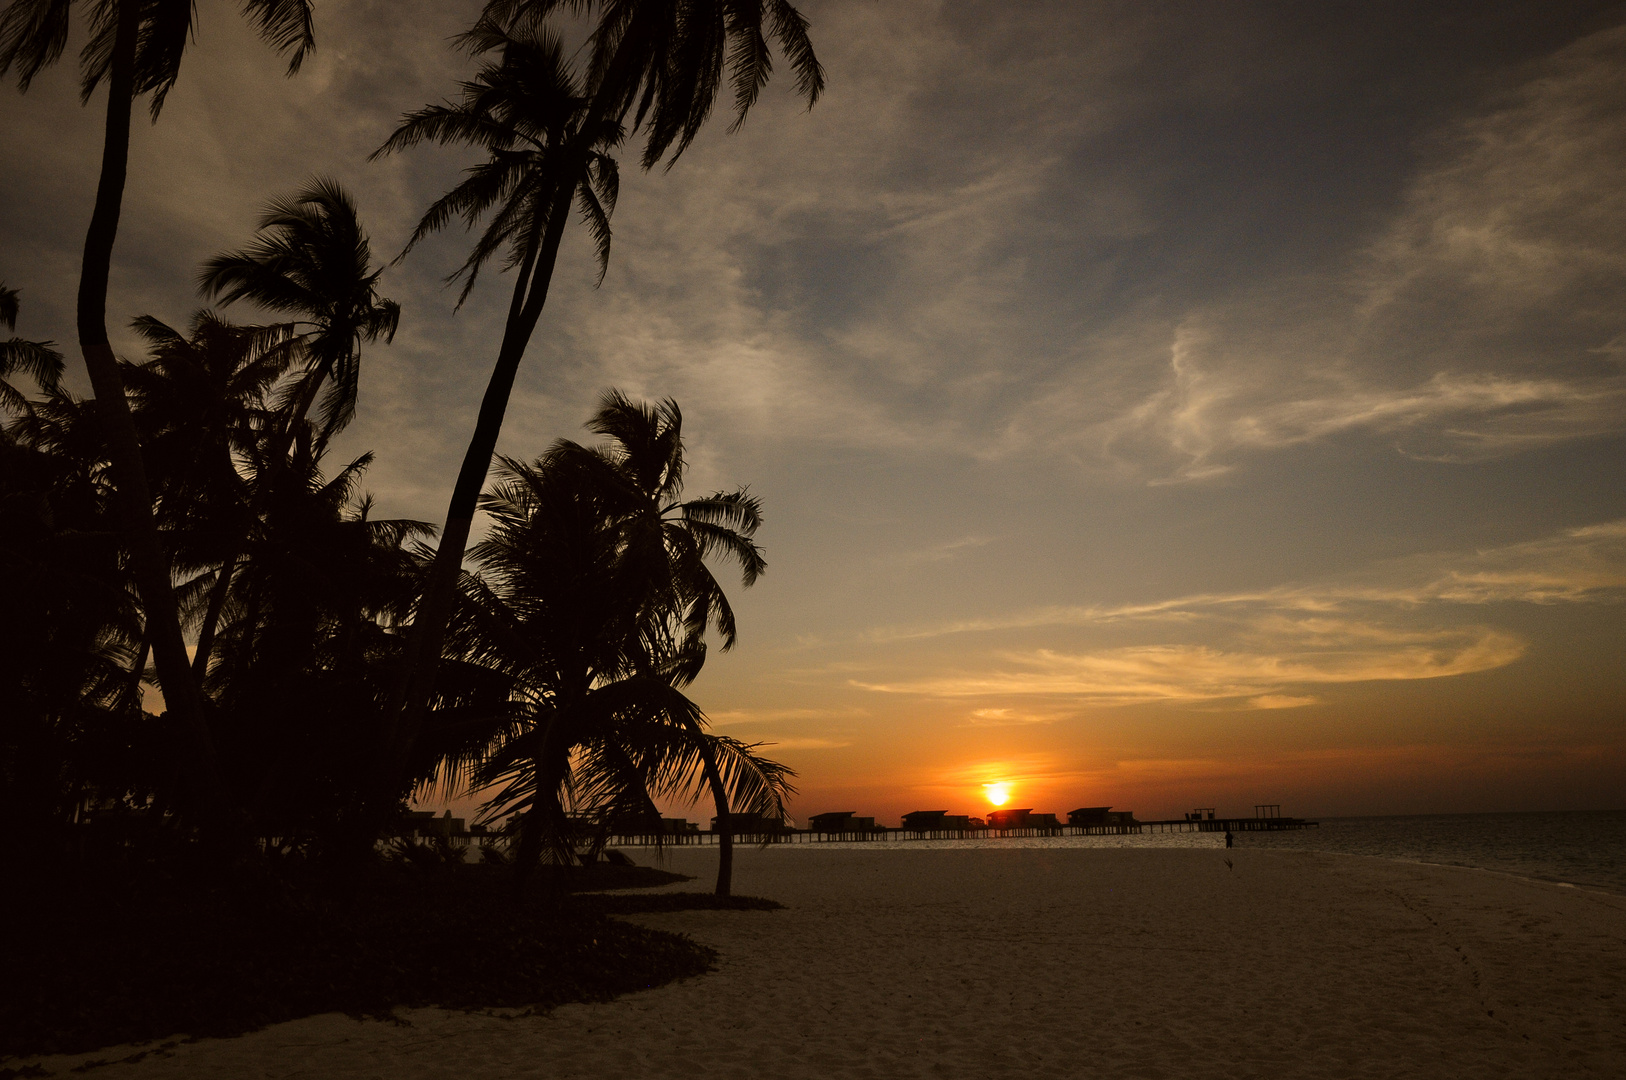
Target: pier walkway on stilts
(1266,819)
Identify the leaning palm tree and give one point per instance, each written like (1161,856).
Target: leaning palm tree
(36,359)
(670,58)
(525,110)
(136,47)
(312,260)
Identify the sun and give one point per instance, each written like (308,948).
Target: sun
(998,793)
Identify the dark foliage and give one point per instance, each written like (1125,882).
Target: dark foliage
(569,649)
(215,868)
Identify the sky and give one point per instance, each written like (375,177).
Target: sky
(1156,405)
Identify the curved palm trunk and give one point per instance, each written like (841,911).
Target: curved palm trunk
(725,834)
(276,454)
(411,703)
(152,571)
(211,619)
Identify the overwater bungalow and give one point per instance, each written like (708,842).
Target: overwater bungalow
(936,825)
(935,821)
(1098,817)
(1023,819)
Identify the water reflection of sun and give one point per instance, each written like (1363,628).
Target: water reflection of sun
(999,793)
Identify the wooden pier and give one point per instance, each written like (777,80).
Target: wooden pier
(1234,825)
(881,834)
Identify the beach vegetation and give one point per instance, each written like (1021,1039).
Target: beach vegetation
(571,644)
(136,49)
(224,675)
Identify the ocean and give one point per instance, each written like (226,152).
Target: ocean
(1575,848)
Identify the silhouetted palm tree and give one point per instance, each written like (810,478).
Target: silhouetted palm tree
(305,648)
(524,109)
(668,538)
(666,542)
(136,46)
(311,259)
(587,619)
(202,403)
(670,58)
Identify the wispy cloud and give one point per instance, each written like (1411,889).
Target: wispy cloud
(797,743)
(1281,701)
(738,717)
(1580,565)
(1193,673)
(1265,649)
(1475,324)
(941,553)
(1015,717)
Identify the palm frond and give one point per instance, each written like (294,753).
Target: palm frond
(33,34)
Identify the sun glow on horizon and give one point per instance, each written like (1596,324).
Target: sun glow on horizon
(998,794)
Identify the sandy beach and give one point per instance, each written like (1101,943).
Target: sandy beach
(1042,963)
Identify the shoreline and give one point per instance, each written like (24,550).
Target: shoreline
(644,852)
(1058,962)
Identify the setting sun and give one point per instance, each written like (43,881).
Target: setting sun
(998,793)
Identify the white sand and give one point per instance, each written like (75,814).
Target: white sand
(1046,963)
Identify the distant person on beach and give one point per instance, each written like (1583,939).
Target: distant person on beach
(1229,839)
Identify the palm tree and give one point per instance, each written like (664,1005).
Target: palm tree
(312,259)
(525,110)
(669,538)
(202,404)
(305,650)
(36,359)
(667,541)
(670,58)
(588,617)
(137,47)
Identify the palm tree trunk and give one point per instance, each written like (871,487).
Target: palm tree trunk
(276,454)
(411,704)
(137,670)
(211,619)
(528,853)
(725,827)
(279,442)
(152,571)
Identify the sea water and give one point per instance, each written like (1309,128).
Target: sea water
(1573,848)
(1580,848)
